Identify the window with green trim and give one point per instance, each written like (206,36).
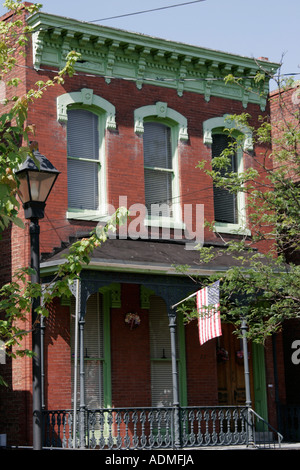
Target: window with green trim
(163,129)
(93,352)
(158,169)
(160,350)
(87,117)
(230,213)
(161,356)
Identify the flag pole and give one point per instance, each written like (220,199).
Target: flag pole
(190,296)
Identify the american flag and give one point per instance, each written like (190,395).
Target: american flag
(209,321)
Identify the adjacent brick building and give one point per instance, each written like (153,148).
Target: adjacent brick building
(284,112)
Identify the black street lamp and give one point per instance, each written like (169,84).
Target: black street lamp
(37,177)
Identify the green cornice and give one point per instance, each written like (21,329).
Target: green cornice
(115,53)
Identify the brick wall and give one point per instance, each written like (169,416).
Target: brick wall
(5,256)
(130,353)
(285,105)
(58,389)
(124,147)
(201,364)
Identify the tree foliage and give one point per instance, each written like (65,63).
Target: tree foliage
(263,289)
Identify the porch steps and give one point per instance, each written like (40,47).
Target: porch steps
(262,437)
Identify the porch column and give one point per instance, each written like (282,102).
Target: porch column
(172,326)
(43,361)
(81,299)
(81,382)
(247,378)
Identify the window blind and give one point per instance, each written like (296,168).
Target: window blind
(161,384)
(82,185)
(93,351)
(83,160)
(160,351)
(225,203)
(82,134)
(158,168)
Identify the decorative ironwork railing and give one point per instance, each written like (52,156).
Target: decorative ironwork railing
(263,434)
(150,428)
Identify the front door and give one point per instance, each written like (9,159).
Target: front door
(231,377)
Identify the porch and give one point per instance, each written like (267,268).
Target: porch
(168,423)
(158,428)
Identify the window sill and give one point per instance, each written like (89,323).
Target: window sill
(233,229)
(164,222)
(87,215)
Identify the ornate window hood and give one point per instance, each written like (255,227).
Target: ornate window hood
(114,53)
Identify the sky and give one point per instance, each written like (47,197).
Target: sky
(251,28)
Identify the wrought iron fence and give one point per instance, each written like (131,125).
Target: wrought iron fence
(263,435)
(147,428)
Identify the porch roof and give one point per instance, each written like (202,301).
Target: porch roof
(149,256)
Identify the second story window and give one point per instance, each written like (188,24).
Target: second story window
(229,208)
(83,160)
(225,203)
(88,117)
(163,130)
(158,169)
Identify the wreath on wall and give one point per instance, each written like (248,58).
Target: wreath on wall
(132,320)
(222,355)
(240,356)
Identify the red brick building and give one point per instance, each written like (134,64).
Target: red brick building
(284,112)
(129,128)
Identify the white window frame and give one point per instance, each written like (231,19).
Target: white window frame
(217,125)
(160,112)
(86,99)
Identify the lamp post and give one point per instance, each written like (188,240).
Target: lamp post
(37,177)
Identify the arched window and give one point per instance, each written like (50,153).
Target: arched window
(158,168)
(84,163)
(162,128)
(229,208)
(87,117)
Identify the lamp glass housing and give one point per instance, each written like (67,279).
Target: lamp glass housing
(35,185)
(36,177)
